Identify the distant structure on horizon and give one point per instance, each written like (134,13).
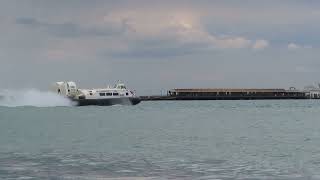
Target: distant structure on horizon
(309,92)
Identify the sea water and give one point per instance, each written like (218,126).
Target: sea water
(264,139)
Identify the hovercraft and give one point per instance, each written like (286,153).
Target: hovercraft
(117,95)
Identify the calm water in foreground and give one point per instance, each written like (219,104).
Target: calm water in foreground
(163,140)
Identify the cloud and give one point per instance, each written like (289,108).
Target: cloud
(158,34)
(304,69)
(28,21)
(70,29)
(174,34)
(292,46)
(260,44)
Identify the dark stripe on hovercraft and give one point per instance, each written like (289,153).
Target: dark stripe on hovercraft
(108,102)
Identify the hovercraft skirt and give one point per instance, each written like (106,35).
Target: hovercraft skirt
(108,102)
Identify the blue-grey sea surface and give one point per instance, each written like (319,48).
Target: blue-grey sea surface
(265,139)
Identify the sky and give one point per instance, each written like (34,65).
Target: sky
(154,46)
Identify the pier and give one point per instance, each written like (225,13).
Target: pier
(233,94)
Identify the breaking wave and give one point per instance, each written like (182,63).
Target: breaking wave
(32,97)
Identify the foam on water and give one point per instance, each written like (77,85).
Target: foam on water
(32,97)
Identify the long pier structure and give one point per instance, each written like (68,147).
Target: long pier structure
(233,94)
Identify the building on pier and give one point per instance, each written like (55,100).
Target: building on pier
(312,92)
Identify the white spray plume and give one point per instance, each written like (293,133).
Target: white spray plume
(32,97)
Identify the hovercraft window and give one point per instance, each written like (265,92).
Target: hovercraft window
(127,94)
(102,94)
(109,94)
(116,94)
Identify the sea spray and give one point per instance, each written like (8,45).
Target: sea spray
(32,97)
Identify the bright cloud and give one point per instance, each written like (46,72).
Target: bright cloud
(181,32)
(260,44)
(292,46)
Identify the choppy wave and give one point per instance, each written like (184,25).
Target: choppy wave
(32,97)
